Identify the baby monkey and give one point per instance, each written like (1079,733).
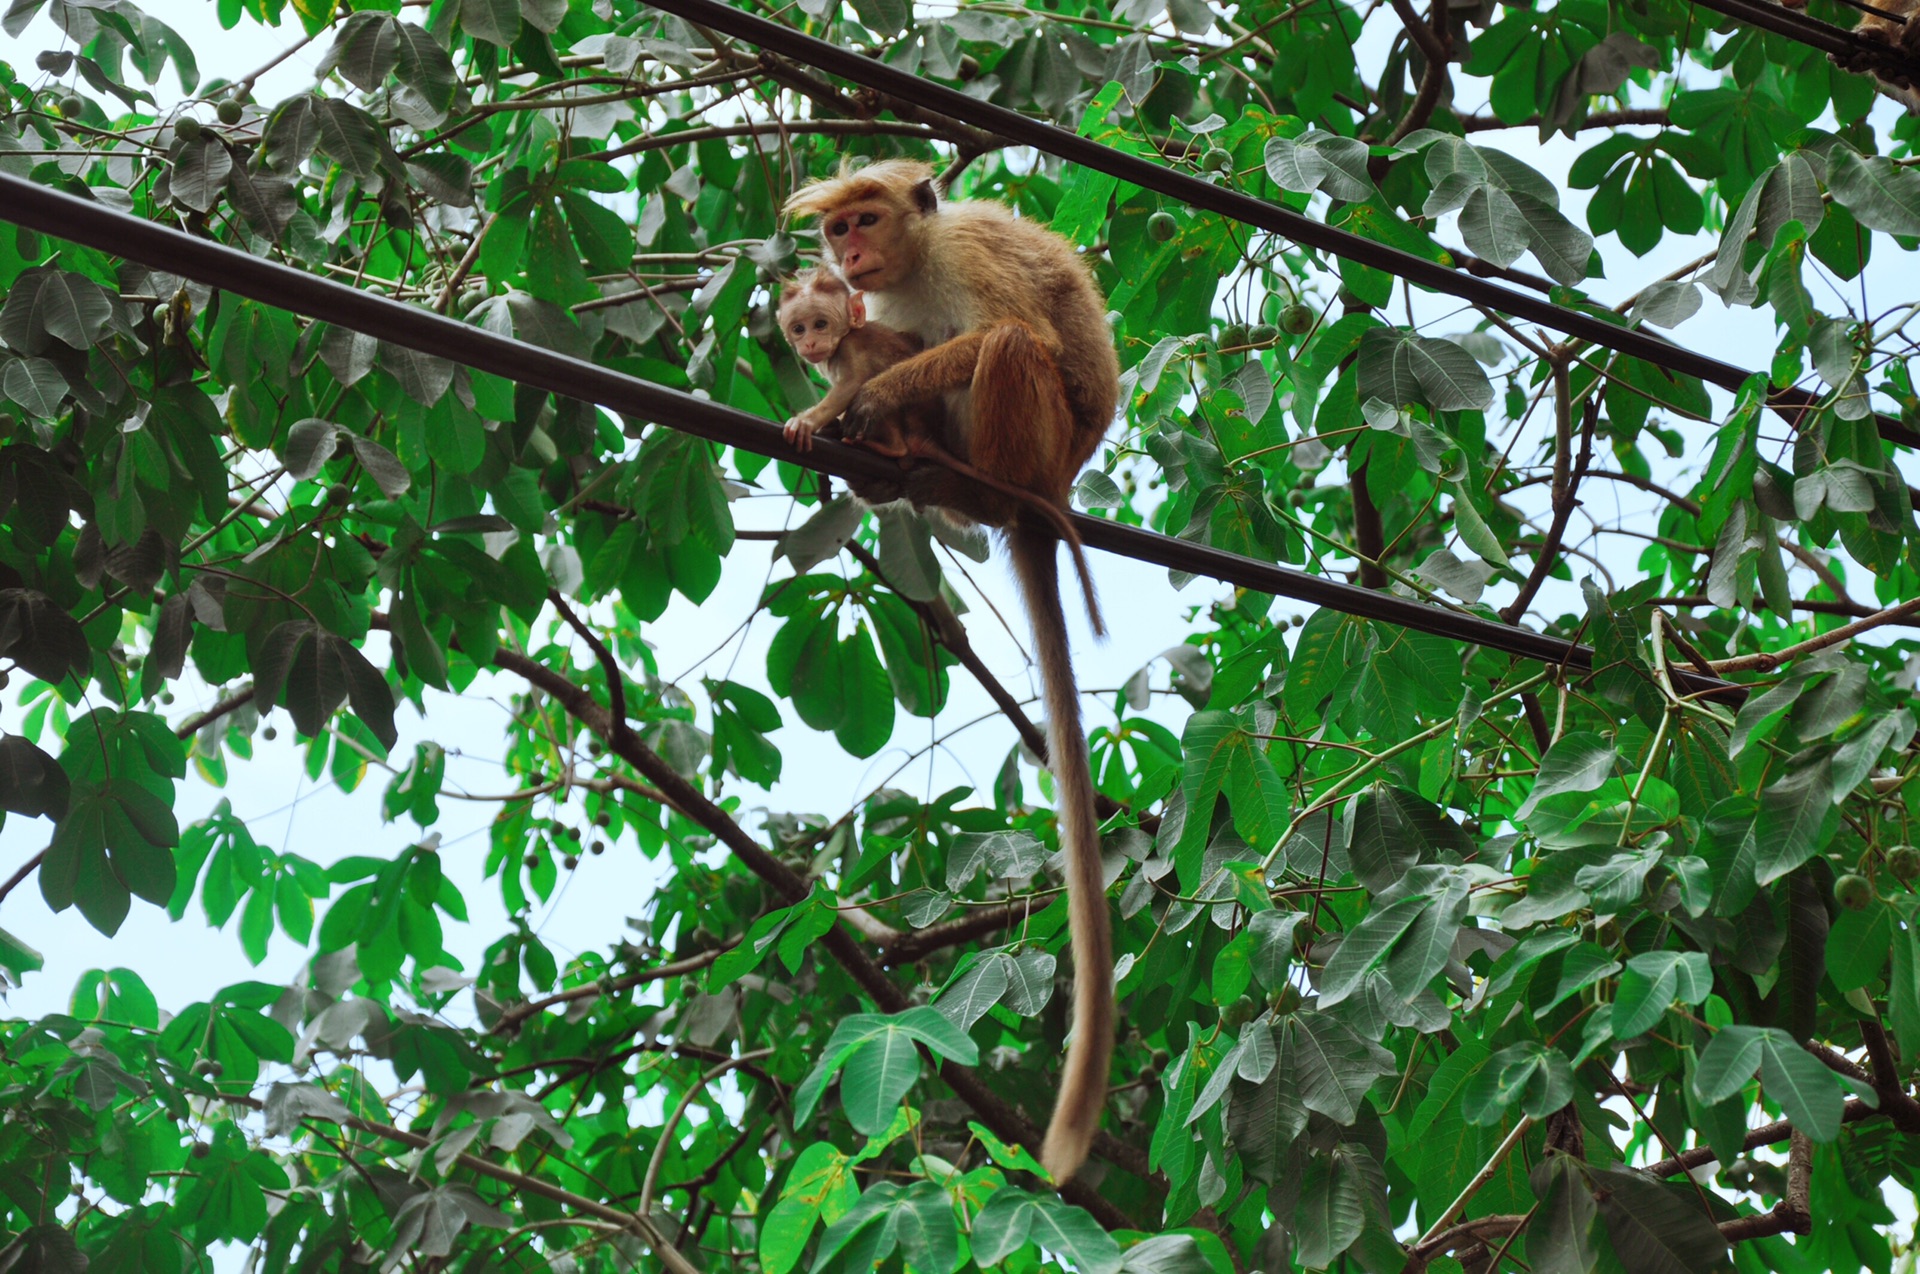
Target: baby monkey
(826,323)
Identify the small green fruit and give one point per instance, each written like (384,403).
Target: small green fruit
(1239,1013)
(201,1150)
(572,861)
(339,494)
(1149,1075)
(73,106)
(269,734)
(1090,14)
(689,987)
(1233,336)
(603,819)
(1216,160)
(599,847)
(1296,319)
(1284,999)
(187,128)
(1853,892)
(533,861)
(1264,334)
(1162,1058)
(1904,862)
(1161,227)
(230,112)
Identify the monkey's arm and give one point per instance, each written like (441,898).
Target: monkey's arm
(919,379)
(801,428)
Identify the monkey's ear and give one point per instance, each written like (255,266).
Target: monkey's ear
(924,198)
(856,310)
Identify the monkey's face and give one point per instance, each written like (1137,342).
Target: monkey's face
(815,325)
(872,241)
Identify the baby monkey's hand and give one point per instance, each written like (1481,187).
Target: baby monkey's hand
(801,428)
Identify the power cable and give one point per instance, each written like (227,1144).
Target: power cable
(72,218)
(1259,213)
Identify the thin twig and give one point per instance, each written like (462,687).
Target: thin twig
(679,1112)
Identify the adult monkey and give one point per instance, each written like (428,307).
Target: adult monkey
(1020,354)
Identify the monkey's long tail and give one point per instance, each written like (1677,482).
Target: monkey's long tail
(1083,1080)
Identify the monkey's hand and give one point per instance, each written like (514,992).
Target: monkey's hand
(867,414)
(800,430)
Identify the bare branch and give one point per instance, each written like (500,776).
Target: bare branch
(1768,660)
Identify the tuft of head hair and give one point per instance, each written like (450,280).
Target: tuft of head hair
(898,178)
(818,281)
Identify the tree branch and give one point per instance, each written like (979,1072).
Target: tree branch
(1567,475)
(775,128)
(198,722)
(1431,39)
(948,631)
(513,1015)
(1765,1135)
(1005,1121)
(1768,660)
(1651,115)
(1793,1214)
(916,946)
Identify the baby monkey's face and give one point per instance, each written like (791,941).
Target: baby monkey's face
(814,323)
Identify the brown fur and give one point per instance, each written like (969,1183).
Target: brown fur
(1021,357)
(1897,26)
(826,325)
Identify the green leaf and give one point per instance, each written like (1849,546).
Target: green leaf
(1559,1237)
(1577,762)
(1657,1229)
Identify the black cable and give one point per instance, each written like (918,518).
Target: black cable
(1802,28)
(83,221)
(1260,213)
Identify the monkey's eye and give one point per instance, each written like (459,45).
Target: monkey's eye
(869,218)
(798,328)
(837,229)
(820,325)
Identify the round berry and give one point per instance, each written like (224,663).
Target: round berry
(1233,336)
(599,847)
(1162,1058)
(1853,892)
(201,1150)
(1161,227)
(339,494)
(603,819)
(73,106)
(230,112)
(187,128)
(1904,862)
(533,861)
(572,861)
(1090,14)
(1239,1013)
(1264,334)
(1296,319)
(269,734)
(1149,1075)
(1216,160)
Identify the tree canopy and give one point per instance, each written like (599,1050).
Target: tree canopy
(1431,956)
